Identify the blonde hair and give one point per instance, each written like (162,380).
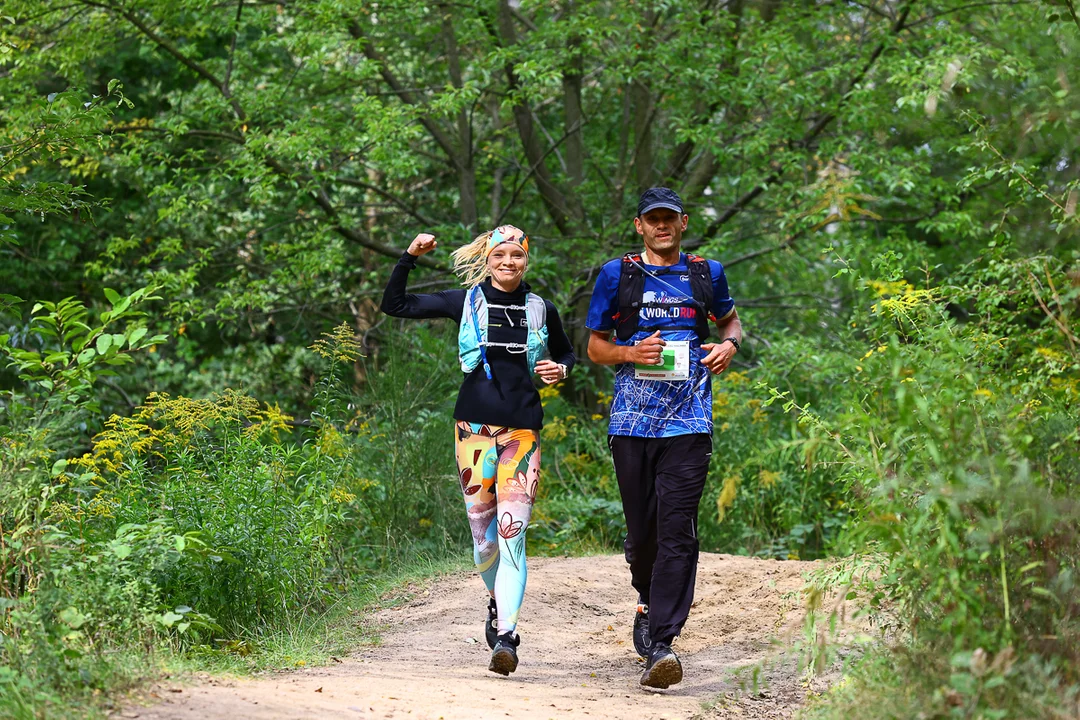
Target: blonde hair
(471,261)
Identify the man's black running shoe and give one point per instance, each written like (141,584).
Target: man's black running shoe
(491,627)
(642,640)
(504,657)
(663,669)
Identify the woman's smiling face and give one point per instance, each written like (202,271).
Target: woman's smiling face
(507,263)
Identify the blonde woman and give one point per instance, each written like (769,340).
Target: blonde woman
(506,334)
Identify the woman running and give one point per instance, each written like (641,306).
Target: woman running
(505,334)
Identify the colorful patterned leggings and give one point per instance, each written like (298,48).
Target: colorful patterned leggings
(499,469)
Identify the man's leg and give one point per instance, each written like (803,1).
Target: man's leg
(680,479)
(633,470)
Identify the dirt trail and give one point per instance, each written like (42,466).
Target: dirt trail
(576,656)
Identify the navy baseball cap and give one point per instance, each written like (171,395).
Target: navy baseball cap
(659,197)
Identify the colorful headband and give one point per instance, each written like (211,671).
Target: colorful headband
(507,234)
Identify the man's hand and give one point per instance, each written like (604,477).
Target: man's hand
(719,356)
(550,372)
(422,244)
(648,351)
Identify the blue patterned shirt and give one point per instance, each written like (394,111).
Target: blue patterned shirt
(651,408)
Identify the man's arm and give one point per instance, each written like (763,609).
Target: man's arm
(604,352)
(720,354)
(730,326)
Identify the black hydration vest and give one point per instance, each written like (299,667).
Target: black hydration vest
(632,290)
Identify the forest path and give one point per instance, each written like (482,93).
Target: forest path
(577,659)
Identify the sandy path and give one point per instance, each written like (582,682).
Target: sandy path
(576,656)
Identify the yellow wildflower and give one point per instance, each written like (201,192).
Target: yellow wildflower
(270,421)
(331,442)
(341,496)
(768,478)
(727,496)
(339,345)
(554,430)
(547,393)
(1051,354)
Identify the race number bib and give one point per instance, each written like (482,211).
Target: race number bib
(675,366)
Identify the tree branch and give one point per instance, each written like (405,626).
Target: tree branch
(816,129)
(173,50)
(553,198)
(232,51)
(426,221)
(466,169)
(532,169)
(371,53)
(352,234)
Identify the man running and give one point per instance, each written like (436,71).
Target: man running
(659,303)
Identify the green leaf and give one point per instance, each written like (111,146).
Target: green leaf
(104,342)
(112,295)
(57,357)
(121,551)
(58,467)
(72,618)
(136,335)
(86,356)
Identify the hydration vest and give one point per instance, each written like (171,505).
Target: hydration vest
(632,291)
(473,332)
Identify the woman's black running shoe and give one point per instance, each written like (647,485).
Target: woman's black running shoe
(504,657)
(491,627)
(663,669)
(642,640)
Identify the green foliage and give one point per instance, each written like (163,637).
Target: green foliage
(970,685)
(963,457)
(907,395)
(63,130)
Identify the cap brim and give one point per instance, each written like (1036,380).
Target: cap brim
(665,205)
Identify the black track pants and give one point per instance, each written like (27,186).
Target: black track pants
(661,481)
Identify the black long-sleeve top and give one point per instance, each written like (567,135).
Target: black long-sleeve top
(510,397)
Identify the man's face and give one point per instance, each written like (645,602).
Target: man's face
(661,229)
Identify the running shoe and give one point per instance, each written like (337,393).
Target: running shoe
(504,658)
(491,627)
(642,640)
(663,669)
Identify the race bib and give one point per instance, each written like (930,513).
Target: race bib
(675,366)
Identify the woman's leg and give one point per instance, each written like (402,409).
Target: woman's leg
(476,460)
(518,476)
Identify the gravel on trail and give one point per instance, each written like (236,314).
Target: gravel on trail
(577,659)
